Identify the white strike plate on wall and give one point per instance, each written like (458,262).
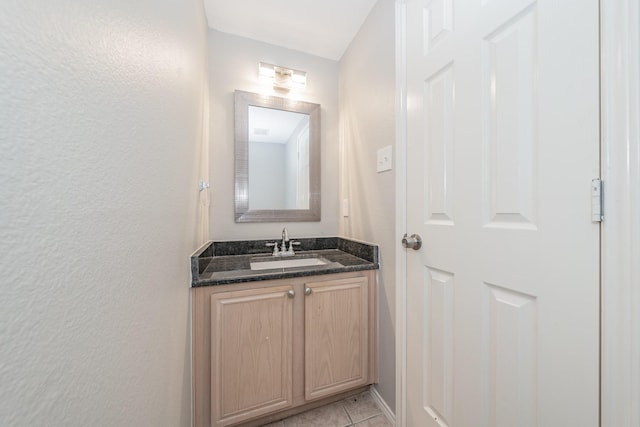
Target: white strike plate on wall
(385,156)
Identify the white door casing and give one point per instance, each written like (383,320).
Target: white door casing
(502,142)
(620,65)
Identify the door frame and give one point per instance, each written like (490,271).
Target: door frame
(620,238)
(620,232)
(401,210)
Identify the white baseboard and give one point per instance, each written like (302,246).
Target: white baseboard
(383,405)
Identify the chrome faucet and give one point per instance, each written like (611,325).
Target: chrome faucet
(285,239)
(284,250)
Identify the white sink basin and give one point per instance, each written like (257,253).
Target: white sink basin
(288,263)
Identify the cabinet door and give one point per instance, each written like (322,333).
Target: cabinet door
(336,336)
(251,343)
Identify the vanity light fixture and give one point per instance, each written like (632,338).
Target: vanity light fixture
(281,77)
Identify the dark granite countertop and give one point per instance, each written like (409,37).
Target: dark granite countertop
(221,263)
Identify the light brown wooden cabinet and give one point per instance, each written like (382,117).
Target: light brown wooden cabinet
(251,336)
(262,348)
(336,336)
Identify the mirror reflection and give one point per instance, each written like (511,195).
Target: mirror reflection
(277,159)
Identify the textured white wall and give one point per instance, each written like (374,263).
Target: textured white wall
(100,122)
(367,123)
(233,64)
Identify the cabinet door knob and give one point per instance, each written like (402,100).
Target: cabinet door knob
(291,293)
(307,291)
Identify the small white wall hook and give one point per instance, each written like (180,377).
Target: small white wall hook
(203,185)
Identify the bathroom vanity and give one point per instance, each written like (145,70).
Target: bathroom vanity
(270,342)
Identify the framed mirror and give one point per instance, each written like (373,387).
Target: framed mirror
(277,159)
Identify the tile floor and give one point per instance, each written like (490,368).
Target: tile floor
(360,410)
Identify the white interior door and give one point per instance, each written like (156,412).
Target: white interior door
(503,141)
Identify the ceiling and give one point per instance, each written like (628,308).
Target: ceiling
(319,27)
(272,125)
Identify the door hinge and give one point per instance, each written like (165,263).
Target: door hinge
(597,214)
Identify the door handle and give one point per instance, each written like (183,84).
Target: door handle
(413,242)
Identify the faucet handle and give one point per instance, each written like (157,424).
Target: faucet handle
(275,247)
(291,245)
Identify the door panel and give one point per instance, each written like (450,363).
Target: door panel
(510,140)
(512,344)
(503,141)
(438,119)
(438,353)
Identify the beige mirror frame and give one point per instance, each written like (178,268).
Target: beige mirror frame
(243,213)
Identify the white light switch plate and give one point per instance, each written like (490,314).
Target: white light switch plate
(385,156)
